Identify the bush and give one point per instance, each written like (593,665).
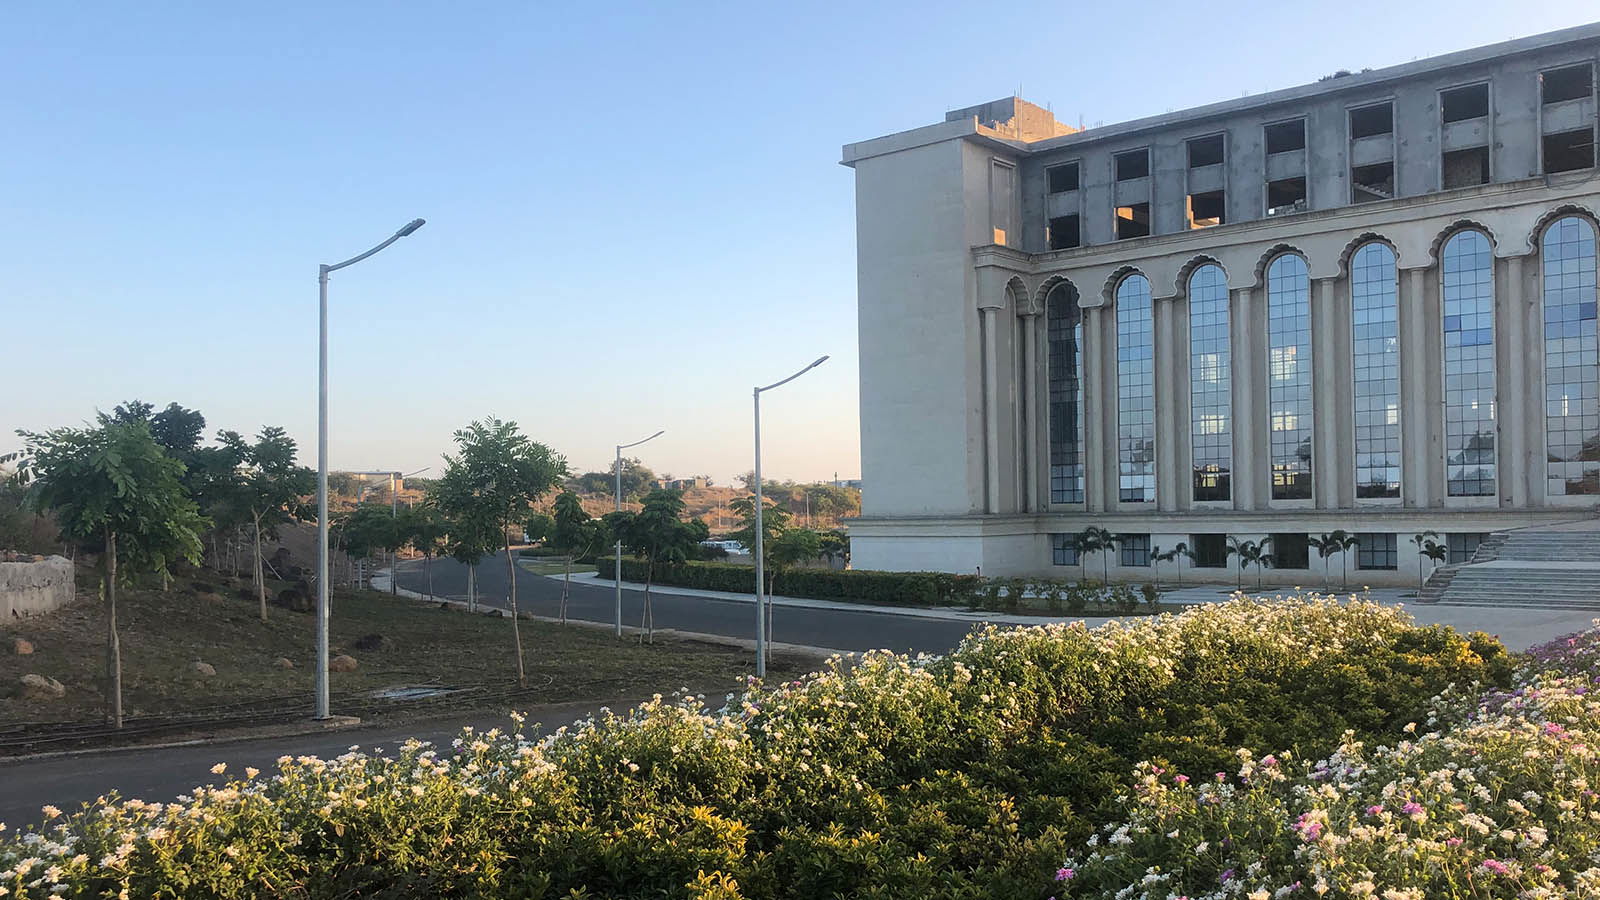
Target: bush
(965,776)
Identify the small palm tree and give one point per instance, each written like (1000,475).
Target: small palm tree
(1181,551)
(1095,539)
(1256,553)
(1326,545)
(1420,540)
(1436,552)
(1346,542)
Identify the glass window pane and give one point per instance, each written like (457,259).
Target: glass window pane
(1289,389)
(1469,426)
(1136,392)
(1064,324)
(1210,384)
(1376,347)
(1571,359)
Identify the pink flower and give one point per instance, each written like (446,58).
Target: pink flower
(1181,779)
(1412,808)
(1452,842)
(1065,874)
(1496,866)
(1374,809)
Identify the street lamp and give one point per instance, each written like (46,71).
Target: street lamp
(617,572)
(322,461)
(761,625)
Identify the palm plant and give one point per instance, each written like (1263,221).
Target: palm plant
(1432,550)
(1181,551)
(1346,542)
(1095,539)
(1256,553)
(1326,545)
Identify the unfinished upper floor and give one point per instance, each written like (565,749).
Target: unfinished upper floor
(1495,114)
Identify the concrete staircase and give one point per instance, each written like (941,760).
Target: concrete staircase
(1547,569)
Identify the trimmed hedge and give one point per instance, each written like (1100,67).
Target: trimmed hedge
(905,588)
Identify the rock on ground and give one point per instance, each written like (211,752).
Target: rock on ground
(342,663)
(202,668)
(41,687)
(21,647)
(284,662)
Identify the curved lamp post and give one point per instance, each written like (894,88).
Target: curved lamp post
(322,462)
(761,622)
(616,574)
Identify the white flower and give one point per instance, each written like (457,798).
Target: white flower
(219,768)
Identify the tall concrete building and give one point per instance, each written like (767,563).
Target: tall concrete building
(1366,304)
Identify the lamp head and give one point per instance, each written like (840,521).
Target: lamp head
(820,360)
(411,226)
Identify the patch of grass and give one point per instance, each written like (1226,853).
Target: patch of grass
(162,634)
(546,566)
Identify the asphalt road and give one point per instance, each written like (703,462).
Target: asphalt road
(829,628)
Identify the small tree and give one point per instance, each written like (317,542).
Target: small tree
(835,546)
(793,547)
(1179,552)
(114,484)
(573,533)
(469,542)
(270,488)
(1326,546)
(775,520)
(658,535)
(1095,539)
(424,528)
(1256,553)
(1346,542)
(495,476)
(368,529)
(1429,549)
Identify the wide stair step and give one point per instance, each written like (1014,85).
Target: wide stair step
(1535,569)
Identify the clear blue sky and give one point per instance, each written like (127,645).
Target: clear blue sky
(635,211)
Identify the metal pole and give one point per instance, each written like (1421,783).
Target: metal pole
(394,516)
(322,460)
(761,622)
(322,497)
(617,572)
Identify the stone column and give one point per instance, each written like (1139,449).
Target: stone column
(1167,405)
(1029,403)
(1511,397)
(1414,372)
(1093,413)
(1111,452)
(1324,388)
(991,409)
(1243,379)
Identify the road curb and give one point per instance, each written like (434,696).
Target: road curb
(267,732)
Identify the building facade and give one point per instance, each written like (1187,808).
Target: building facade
(1365,304)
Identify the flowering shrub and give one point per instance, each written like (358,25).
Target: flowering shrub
(965,776)
(1497,799)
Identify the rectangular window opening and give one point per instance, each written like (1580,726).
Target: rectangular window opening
(1291,551)
(1063,550)
(1374,182)
(1377,551)
(1569,151)
(1064,233)
(1569,83)
(1133,221)
(1062,178)
(1207,209)
(1462,103)
(1205,151)
(1210,550)
(1133,164)
(1286,196)
(1463,544)
(1465,168)
(1371,121)
(1135,550)
(1285,136)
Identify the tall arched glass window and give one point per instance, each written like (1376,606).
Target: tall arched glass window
(1064,321)
(1289,376)
(1210,384)
(1136,392)
(1468,290)
(1571,358)
(1375,342)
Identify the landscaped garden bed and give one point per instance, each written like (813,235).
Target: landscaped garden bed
(971,775)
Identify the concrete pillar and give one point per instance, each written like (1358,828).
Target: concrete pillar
(1167,406)
(1031,376)
(1325,386)
(1511,396)
(1110,459)
(1093,413)
(1414,372)
(991,410)
(1182,407)
(1247,464)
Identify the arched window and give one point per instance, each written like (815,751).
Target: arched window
(1136,392)
(1468,290)
(1571,358)
(1289,376)
(1210,384)
(1375,338)
(1064,320)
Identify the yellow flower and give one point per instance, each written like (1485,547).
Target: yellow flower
(219,768)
